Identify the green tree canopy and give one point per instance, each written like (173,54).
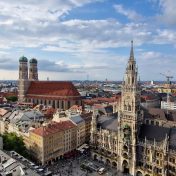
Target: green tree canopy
(13,142)
(12,98)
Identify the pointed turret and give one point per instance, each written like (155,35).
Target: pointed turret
(131,52)
(131,70)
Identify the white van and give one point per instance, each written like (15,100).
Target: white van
(102,170)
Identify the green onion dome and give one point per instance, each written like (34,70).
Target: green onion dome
(33,61)
(23,59)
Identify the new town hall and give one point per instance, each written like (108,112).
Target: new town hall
(133,140)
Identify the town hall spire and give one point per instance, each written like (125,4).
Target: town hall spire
(131,52)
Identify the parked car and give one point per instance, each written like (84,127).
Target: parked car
(102,170)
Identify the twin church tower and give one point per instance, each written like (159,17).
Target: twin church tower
(24,77)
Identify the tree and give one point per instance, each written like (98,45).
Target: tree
(13,142)
(12,98)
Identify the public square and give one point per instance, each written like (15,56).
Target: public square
(71,167)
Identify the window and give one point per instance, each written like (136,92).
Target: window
(161,155)
(129,107)
(152,122)
(62,105)
(157,123)
(68,104)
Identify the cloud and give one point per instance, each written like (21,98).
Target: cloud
(165,36)
(38,25)
(166,11)
(7,63)
(150,55)
(90,45)
(152,63)
(130,14)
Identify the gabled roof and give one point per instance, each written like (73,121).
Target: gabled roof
(161,114)
(54,127)
(52,88)
(19,115)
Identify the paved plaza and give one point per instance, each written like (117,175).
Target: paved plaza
(71,167)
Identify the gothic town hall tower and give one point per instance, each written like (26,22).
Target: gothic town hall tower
(130,117)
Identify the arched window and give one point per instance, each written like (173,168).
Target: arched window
(132,67)
(53,104)
(62,105)
(138,173)
(132,80)
(68,104)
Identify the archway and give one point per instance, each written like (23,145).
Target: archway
(125,155)
(108,162)
(125,148)
(125,167)
(95,157)
(139,173)
(114,164)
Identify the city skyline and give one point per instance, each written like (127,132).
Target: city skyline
(76,38)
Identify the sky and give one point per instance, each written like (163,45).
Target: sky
(80,39)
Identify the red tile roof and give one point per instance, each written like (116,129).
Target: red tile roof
(76,107)
(54,127)
(52,89)
(101,100)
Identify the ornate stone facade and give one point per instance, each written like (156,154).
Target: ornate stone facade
(128,141)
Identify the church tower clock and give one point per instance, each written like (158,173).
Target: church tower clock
(130,117)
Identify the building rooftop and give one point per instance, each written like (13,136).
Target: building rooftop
(53,89)
(161,114)
(108,122)
(151,132)
(23,59)
(8,165)
(33,61)
(53,127)
(76,118)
